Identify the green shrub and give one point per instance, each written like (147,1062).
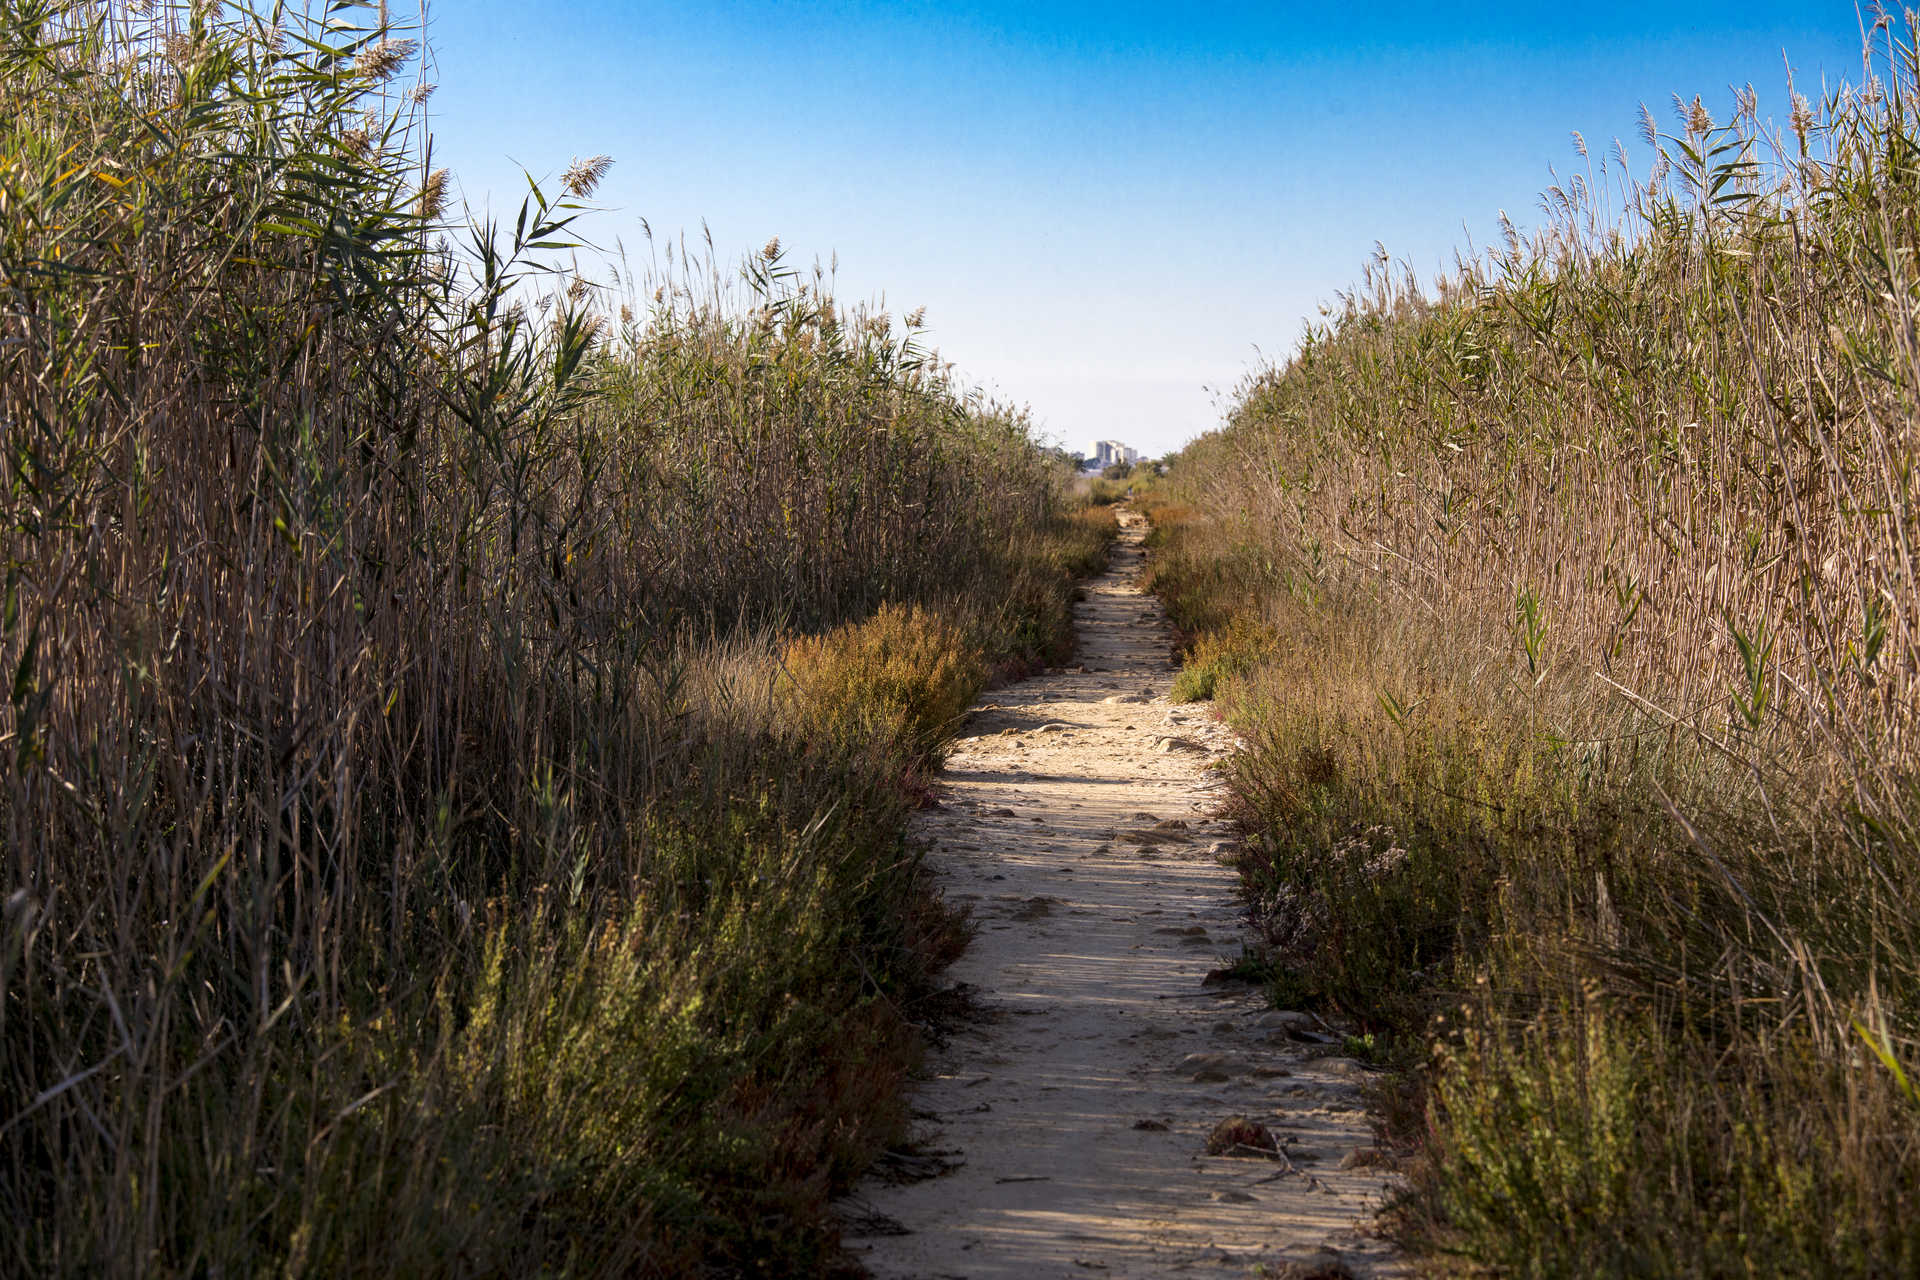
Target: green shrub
(903,677)
(1238,648)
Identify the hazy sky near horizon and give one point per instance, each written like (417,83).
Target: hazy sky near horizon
(1108,210)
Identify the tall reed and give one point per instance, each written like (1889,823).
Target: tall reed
(1579,652)
(413,863)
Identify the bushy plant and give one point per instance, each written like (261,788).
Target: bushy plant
(1239,647)
(903,677)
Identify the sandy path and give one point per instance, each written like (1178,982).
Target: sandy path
(1077,1109)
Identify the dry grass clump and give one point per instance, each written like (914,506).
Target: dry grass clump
(1237,1135)
(903,677)
(414,861)
(1234,649)
(1584,759)
(1026,616)
(791,456)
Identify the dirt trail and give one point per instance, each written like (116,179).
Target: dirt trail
(1077,1110)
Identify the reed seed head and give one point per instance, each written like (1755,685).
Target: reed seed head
(379,61)
(1699,122)
(589,326)
(1802,120)
(583,176)
(433,196)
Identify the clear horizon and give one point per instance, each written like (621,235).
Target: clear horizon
(1108,212)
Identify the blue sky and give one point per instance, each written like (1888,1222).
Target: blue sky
(1106,209)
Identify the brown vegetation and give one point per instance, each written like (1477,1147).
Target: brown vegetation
(1568,611)
(419,860)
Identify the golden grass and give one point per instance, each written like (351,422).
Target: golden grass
(417,861)
(1583,766)
(904,677)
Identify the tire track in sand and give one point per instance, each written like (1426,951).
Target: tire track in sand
(1078,1107)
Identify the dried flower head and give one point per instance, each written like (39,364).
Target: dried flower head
(1579,144)
(588,326)
(577,288)
(1699,122)
(917,318)
(380,60)
(421,92)
(1802,120)
(433,196)
(582,176)
(771,250)
(1649,132)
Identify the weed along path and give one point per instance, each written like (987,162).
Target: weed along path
(1064,1130)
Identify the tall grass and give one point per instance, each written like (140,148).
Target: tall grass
(420,858)
(1568,608)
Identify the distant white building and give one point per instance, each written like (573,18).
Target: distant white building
(1107,452)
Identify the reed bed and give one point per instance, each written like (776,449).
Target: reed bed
(1568,609)
(433,845)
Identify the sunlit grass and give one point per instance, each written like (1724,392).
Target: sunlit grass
(1582,767)
(433,845)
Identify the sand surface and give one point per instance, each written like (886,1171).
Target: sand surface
(1062,1132)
